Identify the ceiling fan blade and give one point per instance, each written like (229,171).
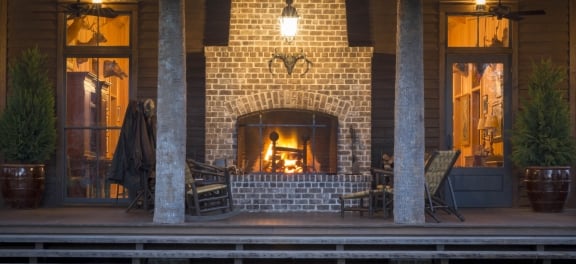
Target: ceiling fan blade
(512,16)
(517,16)
(102,12)
(531,12)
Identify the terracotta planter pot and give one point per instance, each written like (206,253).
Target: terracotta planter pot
(22,185)
(547,188)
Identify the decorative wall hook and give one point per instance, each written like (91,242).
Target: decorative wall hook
(289,61)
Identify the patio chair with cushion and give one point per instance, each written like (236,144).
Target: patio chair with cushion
(371,200)
(208,191)
(438,169)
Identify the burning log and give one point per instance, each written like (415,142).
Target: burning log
(287,159)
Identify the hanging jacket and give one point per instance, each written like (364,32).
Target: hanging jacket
(135,156)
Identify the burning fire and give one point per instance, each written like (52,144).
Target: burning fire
(285,161)
(285,154)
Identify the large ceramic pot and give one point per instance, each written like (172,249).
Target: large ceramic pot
(547,188)
(22,185)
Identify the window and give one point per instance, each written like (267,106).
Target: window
(477,107)
(97,55)
(478,79)
(477,31)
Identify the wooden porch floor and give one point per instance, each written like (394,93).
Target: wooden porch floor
(115,236)
(77,219)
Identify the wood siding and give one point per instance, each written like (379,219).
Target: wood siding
(217,24)
(358,23)
(196,108)
(147,66)
(541,37)
(432,72)
(34,22)
(383,94)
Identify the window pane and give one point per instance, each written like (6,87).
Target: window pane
(96,101)
(477,31)
(98,31)
(478,113)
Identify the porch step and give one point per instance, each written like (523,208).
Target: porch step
(140,247)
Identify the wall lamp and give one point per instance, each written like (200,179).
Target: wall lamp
(289,22)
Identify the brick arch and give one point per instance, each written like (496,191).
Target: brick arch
(288,99)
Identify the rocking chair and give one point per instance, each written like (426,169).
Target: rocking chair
(208,191)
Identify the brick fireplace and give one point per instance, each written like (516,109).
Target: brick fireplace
(242,79)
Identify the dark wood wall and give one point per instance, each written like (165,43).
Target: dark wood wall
(34,22)
(30,24)
(147,65)
(196,105)
(432,72)
(543,37)
(383,87)
(383,34)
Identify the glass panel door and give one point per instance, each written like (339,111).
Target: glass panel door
(477,98)
(97,55)
(96,102)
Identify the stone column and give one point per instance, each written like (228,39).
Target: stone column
(169,205)
(409,116)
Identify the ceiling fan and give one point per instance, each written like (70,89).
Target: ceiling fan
(501,11)
(80,9)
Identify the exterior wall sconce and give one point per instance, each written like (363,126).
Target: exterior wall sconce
(480,6)
(289,61)
(289,22)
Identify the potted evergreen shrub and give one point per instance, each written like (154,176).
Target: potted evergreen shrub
(27,131)
(542,143)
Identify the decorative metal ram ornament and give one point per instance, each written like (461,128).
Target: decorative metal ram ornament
(289,61)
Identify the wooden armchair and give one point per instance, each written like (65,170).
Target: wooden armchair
(377,198)
(208,192)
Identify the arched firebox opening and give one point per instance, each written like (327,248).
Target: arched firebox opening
(287,141)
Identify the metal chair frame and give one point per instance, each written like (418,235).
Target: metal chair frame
(437,176)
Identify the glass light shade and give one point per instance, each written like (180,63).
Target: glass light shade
(480,5)
(481,123)
(288,26)
(289,21)
(96,1)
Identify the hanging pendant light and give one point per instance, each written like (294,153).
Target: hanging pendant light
(289,22)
